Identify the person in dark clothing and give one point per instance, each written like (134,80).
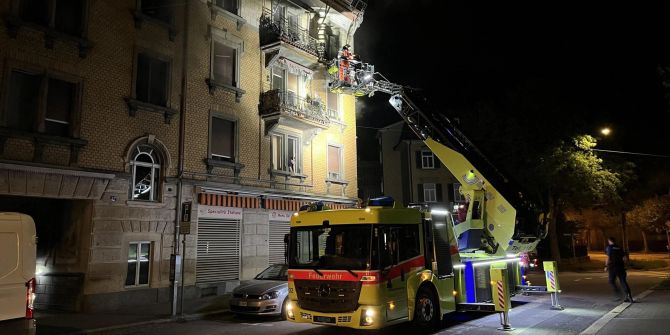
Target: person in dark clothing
(616,268)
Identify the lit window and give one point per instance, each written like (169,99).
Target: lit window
(335,162)
(139,264)
(427,159)
(429,192)
(333,106)
(286,153)
(146,174)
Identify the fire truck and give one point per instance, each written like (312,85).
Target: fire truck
(383,264)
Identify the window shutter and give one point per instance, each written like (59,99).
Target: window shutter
(418,159)
(436,162)
(450,193)
(420,188)
(438,190)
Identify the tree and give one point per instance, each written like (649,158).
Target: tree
(651,215)
(573,176)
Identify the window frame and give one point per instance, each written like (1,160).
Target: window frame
(457,196)
(156,190)
(168,82)
(140,12)
(137,259)
(285,136)
(219,36)
(427,192)
(235,121)
(238,7)
(427,156)
(51,18)
(39,125)
(341,161)
(338,111)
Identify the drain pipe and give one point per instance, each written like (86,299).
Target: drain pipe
(180,172)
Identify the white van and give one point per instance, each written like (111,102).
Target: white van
(18,247)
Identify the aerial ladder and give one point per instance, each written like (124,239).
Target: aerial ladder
(500,219)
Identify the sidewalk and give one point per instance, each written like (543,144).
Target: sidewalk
(649,315)
(61,323)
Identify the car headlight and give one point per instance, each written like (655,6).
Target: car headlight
(270,295)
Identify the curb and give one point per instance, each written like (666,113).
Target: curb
(187,317)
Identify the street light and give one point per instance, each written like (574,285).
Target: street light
(605,131)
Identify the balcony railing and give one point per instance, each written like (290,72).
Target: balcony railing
(276,27)
(286,102)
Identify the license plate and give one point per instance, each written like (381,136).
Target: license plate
(324,319)
(243,303)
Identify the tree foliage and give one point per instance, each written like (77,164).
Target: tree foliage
(651,214)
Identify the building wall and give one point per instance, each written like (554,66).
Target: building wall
(107,220)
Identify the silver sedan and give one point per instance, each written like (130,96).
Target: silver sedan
(264,295)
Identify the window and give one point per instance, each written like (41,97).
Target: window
(458,197)
(398,244)
(429,192)
(139,264)
(151,83)
(278,78)
(51,111)
(146,174)
(229,5)
(427,159)
(224,63)
(333,106)
(335,162)
(65,16)
(222,141)
(286,153)
(161,10)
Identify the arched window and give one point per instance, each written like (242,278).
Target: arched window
(146,168)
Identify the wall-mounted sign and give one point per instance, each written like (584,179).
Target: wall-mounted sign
(284,216)
(216,212)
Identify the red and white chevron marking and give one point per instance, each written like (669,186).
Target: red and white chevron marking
(501,295)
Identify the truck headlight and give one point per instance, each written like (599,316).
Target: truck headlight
(270,295)
(289,310)
(367,317)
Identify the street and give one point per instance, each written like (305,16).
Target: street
(586,297)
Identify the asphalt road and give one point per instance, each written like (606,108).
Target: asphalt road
(586,297)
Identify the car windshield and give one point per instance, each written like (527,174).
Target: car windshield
(274,272)
(346,247)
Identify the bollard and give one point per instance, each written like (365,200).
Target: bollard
(501,298)
(553,287)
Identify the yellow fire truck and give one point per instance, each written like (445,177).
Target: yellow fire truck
(383,264)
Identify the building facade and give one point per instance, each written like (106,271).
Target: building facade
(117,115)
(411,172)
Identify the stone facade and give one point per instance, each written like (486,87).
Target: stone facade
(90,167)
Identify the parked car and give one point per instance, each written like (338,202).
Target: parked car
(264,295)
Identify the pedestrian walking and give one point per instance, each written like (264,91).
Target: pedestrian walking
(616,267)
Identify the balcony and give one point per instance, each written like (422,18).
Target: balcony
(286,108)
(278,37)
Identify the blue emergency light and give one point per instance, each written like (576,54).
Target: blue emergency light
(382,202)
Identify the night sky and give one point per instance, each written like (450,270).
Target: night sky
(583,65)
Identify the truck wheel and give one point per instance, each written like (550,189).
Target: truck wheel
(426,309)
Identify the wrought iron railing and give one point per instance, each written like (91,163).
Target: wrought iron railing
(276,101)
(280,27)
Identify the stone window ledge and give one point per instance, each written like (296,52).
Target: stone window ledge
(141,17)
(14,24)
(337,181)
(40,139)
(135,105)
(212,163)
(287,174)
(214,85)
(145,204)
(216,10)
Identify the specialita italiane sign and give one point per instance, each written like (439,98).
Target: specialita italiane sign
(216,212)
(280,216)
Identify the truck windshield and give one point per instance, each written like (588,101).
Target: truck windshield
(343,247)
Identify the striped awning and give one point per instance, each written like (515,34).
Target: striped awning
(233,200)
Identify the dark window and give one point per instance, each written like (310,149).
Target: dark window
(23,101)
(65,16)
(158,9)
(23,108)
(229,5)
(223,64)
(222,139)
(60,103)
(35,11)
(398,244)
(152,80)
